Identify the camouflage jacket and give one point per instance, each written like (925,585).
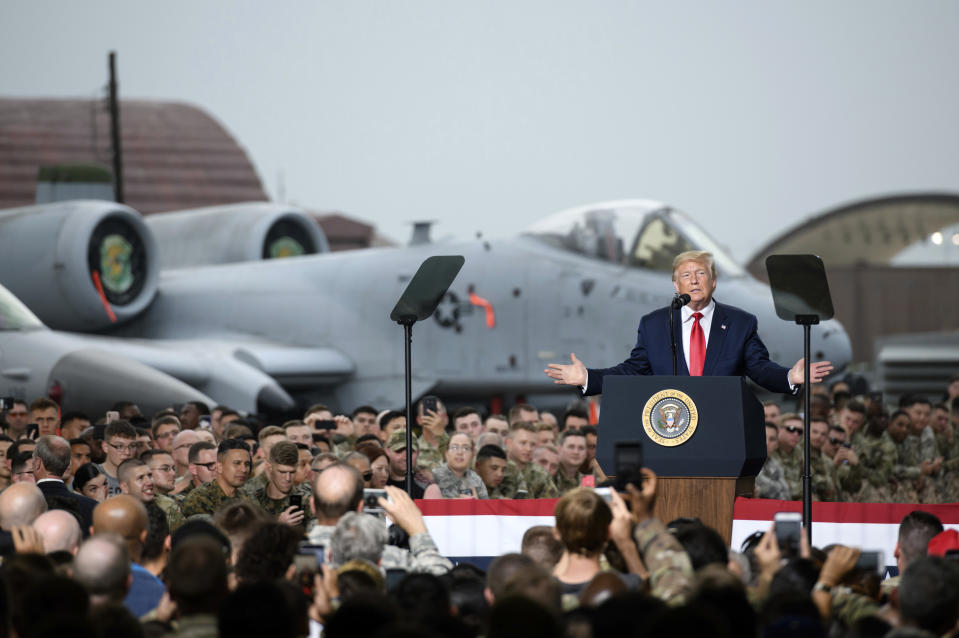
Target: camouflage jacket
(421,557)
(849,606)
(532,479)
(670,571)
(452,486)
(847,479)
(431,456)
(949,450)
(276,507)
(174,517)
(907,457)
(821,475)
(877,456)
(771,481)
(792,470)
(252,485)
(206,499)
(564,484)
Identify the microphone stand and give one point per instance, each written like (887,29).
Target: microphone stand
(672,330)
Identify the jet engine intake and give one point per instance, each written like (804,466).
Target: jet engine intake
(79,265)
(235,233)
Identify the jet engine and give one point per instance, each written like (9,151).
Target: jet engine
(79,265)
(235,233)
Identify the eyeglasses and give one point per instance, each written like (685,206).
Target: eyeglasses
(209,466)
(124,448)
(792,429)
(836,441)
(461,448)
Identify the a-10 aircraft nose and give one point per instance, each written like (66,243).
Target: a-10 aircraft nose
(91,379)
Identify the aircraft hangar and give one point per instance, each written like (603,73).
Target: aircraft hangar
(904,318)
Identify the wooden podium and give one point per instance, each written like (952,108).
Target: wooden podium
(703,436)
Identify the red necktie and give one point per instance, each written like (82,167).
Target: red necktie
(697,347)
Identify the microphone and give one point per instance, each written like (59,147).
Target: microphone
(679,301)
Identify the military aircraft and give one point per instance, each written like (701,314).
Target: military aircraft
(36,361)
(265,334)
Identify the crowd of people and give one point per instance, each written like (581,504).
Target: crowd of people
(203,522)
(861,450)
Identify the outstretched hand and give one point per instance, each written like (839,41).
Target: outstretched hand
(818,370)
(569,374)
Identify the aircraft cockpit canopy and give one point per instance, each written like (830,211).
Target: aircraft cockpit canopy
(14,315)
(637,234)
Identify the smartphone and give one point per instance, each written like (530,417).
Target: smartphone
(628,464)
(605,492)
(33,431)
(371,501)
(430,404)
(871,562)
(324,424)
(788,527)
(98,431)
(306,565)
(112,416)
(296,500)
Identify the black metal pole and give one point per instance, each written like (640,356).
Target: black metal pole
(115,132)
(672,336)
(806,472)
(408,332)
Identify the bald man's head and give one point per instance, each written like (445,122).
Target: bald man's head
(124,516)
(21,504)
(103,566)
(59,530)
(337,490)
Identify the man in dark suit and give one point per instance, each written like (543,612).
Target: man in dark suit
(51,463)
(711,339)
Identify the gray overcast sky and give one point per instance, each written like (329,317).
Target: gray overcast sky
(489,115)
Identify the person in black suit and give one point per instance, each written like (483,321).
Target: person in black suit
(712,339)
(51,464)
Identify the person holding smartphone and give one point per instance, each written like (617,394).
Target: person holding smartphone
(278,496)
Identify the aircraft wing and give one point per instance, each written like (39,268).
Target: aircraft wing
(245,374)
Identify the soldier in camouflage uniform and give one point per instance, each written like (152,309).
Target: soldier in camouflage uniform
(843,462)
(274,497)
(948,443)
(455,478)
(136,479)
(572,454)
(771,481)
(523,478)
(233,468)
(906,473)
(433,439)
(820,466)
(923,449)
(491,466)
(789,453)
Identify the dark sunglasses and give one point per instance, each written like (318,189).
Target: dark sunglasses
(792,429)
(836,441)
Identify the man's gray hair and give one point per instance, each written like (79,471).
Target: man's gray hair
(358,536)
(55,453)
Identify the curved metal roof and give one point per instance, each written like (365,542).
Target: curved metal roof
(871,231)
(175,155)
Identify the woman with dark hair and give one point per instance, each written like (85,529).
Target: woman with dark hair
(379,465)
(91,482)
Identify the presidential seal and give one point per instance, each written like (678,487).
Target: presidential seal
(670,417)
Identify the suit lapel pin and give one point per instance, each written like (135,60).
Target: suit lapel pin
(723,326)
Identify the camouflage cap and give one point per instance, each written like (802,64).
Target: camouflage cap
(397,441)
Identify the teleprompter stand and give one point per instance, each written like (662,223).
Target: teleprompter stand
(801,294)
(418,301)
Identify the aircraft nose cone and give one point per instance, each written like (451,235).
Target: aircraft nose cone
(93,379)
(272,398)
